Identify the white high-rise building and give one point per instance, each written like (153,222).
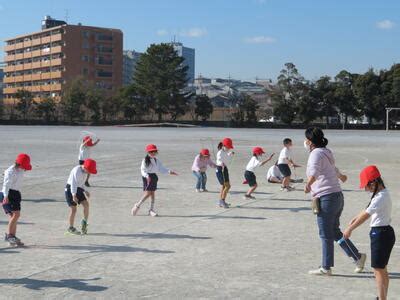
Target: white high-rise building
(189,55)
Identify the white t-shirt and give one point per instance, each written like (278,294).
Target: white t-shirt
(223,157)
(76,179)
(380,209)
(12,179)
(84,152)
(274,172)
(284,156)
(252,164)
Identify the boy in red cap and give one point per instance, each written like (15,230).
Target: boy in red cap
(149,169)
(223,158)
(199,168)
(249,173)
(75,194)
(11,195)
(382,234)
(84,152)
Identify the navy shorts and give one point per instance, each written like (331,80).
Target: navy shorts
(14,201)
(251,178)
(285,170)
(81,162)
(79,194)
(382,242)
(152,185)
(222,175)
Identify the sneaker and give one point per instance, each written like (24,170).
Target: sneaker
(87,184)
(223,204)
(360,263)
(19,242)
(246,197)
(84,226)
(204,190)
(12,241)
(321,272)
(152,213)
(134,210)
(198,191)
(73,230)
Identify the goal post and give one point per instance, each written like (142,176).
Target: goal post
(388,110)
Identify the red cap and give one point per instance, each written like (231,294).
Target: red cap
(151,148)
(368,174)
(24,161)
(90,166)
(89,140)
(227,143)
(205,152)
(258,151)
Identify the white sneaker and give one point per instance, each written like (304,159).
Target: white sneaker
(134,210)
(285,189)
(360,263)
(152,213)
(198,191)
(204,190)
(320,272)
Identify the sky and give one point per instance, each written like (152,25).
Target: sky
(244,39)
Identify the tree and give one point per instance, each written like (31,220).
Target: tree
(132,104)
(367,89)
(160,77)
(204,107)
(287,93)
(25,103)
(308,104)
(93,101)
(346,101)
(73,99)
(46,109)
(246,109)
(325,92)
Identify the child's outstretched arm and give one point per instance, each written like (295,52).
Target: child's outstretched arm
(267,160)
(355,222)
(96,142)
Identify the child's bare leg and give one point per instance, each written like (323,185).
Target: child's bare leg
(226,188)
(153,198)
(382,282)
(146,195)
(85,205)
(72,216)
(251,190)
(221,194)
(286,181)
(12,223)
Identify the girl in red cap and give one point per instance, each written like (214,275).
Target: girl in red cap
(75,194)
(249,175)
(11,195)
(199,168)
(223,158)
(84,152)
(149,169)
(382,234)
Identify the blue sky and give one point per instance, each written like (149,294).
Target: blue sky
(242,38)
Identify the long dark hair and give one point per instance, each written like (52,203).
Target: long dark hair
(378,182)
(220,145)
(316,136)
(147,160)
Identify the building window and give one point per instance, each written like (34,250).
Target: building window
(102,73)
(102,48)
(85,58)
(85,44)
(85,71)
(104,37)
(86,34)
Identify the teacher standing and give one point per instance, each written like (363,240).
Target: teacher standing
(323,183)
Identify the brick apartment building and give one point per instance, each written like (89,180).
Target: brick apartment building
(44,62)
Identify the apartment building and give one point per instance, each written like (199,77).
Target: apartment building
(44,62)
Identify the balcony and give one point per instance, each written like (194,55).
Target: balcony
(9,68)
(57,49)
(19,67)
(56,62)
(36,42)
(51,75)
(9,57)
(36,53)
(36,76)
(27,43)
(19,56)
(56,37)
(27,77)
(51,87)
(9,47)
(9,90)
(36,65)
(19,45)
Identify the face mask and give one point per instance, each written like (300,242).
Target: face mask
(307,146)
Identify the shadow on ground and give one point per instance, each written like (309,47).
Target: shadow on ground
(153,235)
(213,217)
(74,284)
(106,249)
(44,200)
(292,209)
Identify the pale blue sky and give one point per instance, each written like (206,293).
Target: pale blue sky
(243,38)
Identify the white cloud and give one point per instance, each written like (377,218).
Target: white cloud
(194,32)
(261,39)
(162,32)
(385,24)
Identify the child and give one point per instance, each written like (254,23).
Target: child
(223,155)
(382,234)
(274,175)
(84,152)
(249,173)
(149,169)
(285,159)
(199,168)
(11,196)
(75,194)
